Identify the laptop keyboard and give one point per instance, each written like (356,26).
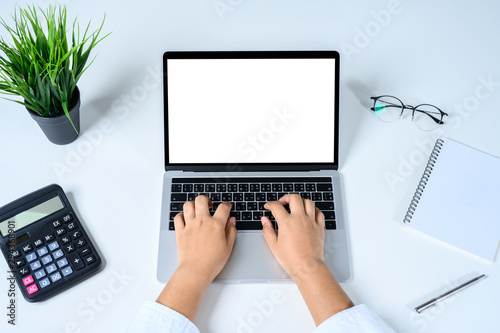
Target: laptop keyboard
(248,196)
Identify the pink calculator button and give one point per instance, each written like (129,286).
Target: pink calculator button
(32,289)
(28,280)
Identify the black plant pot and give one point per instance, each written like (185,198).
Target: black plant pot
(58,129)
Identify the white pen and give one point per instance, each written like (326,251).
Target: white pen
(433,301)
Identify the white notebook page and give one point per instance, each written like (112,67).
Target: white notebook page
(460,202)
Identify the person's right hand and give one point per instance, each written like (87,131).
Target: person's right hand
(298,246)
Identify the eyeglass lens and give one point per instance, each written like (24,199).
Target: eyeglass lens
(388,108)
(427,117)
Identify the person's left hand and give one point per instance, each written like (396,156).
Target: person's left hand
(204,242)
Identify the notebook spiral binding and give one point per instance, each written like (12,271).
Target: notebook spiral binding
(423,181)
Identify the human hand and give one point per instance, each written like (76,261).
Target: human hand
(204,242)
(298,246)
(299,249)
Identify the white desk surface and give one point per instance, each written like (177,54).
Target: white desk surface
(423,52)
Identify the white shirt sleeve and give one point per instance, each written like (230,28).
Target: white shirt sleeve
(157,318)
(358,319)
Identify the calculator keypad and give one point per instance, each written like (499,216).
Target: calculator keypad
(53,258)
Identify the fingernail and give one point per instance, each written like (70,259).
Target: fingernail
(263,220)
(233,220)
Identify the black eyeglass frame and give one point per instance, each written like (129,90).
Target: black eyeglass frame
(413,108)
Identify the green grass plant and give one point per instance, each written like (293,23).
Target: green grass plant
(41,65)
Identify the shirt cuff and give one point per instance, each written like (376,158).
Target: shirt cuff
(353,320)
(155,317)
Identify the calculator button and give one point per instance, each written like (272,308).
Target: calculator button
(38,242)
(67,271)
(63,262)
(76,261)
(69,248)
(57,254)
(90,260)
(53,246)
(31,256)
(43,251)
(81,243)
(28,280)
(67,218)
(85,251)
(16,253)
(46,259)
(40,274)
(20,262)
(27,248)
(48,238)
(23,271)
(72,226)
(51,268)
(76,234)
(32,289)
(35,265)
(56,224)
(60,231)
(56,277)
(65,240)
(44,283)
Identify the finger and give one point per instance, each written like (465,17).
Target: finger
(269,233)
(279,212)
(188,209)
(309,208)
(320,218)
(231,232)
(202,204)
(294,201)
(222,212)
(179,222)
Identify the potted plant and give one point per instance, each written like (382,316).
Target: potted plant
(43,68)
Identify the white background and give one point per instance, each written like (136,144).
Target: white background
(251,110)
(420,51)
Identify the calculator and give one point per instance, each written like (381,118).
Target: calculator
(45,245)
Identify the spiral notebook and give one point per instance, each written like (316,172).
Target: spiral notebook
(458,197)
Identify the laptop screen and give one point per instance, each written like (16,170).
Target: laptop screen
(251,110)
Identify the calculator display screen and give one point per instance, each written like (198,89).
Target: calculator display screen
(31,215)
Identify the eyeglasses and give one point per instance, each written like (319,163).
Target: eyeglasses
(425,116)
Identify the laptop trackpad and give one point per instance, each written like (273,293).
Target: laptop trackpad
(251,259)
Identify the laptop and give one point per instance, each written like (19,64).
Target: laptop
(248,127)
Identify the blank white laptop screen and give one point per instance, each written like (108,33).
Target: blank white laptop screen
(251,110)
